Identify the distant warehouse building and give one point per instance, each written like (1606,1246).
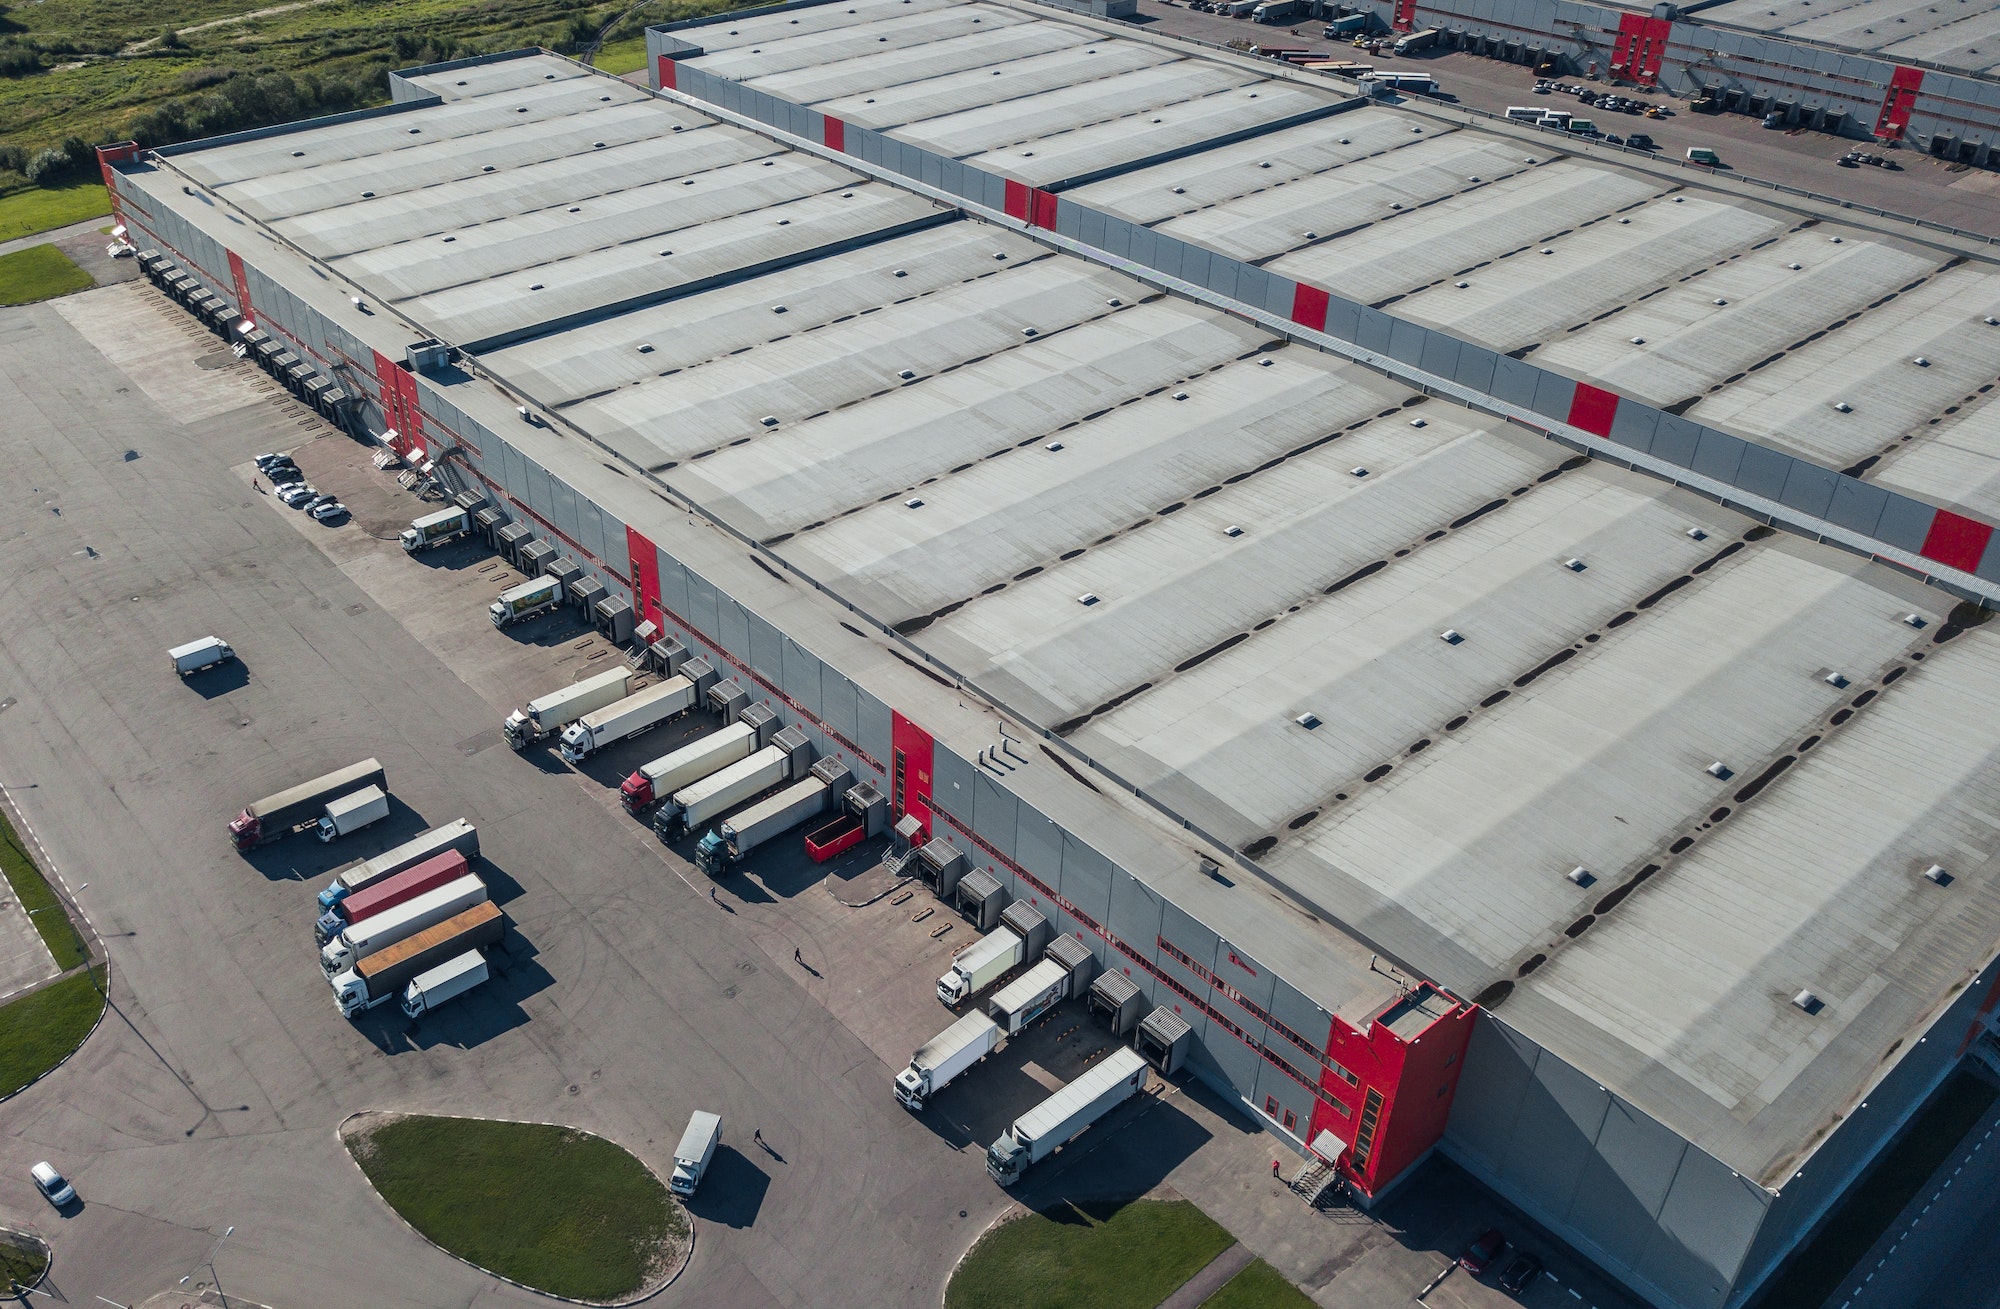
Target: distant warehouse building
(1139,465)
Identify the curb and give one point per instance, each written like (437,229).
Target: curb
(48,1255)
(894,887)
(339,1134)
(96,956)
(1015,1209)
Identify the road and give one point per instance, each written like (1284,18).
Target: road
(1921,188)
(210,1094)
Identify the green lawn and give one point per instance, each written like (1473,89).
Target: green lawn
(22,1266)
(1258,1286)
(30,887)
(41,272)
(552,1208)
(25,213)
(1128,1255)
(627,55)
(38,1031)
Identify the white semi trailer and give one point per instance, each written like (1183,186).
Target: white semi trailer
(693,807)
(686,766)
(943,1057)
(372,935)
(640,712)
(548,714)
(1059,1119)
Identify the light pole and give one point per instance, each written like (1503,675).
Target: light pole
(209,1263)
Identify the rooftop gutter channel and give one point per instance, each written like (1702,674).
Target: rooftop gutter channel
(1963,584)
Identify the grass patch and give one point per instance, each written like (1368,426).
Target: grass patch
(25,213)
(21,1266)
(1258,1286)
(41,272)
(37,897)
(1817,1270)
(622,57)
(556,1209)
(1128,1255)
(38,1031)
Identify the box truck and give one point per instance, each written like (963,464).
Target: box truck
(517,604)
(1059,1119)
(351,813)
(390,892)
(943,1057)
(551,713)
(381,976)
(449,980)
(697,1148)
(282,814)
(692,807)
(1029,996)
(360,940)
(456,835)
(197,655)
(728,845)
(629,717)
(1415,42)
(435,529)
(978,965)
(686,766)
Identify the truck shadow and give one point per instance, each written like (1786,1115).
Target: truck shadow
(984,1100)
(487,1011)
(301,856)
(219,680)
(732,1191)
(782,869)
(1106,1166)
(466,552)
(610,766)
(550,629)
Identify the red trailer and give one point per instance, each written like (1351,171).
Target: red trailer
(406,885)
(829,839)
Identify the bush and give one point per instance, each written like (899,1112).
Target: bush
(19,60)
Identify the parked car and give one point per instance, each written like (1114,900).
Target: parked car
(323,498)
(297,496)
(1774,120)
(1520,1274)
(55,1188)
(1640,141)
(1481,1253)
(330,510)
(266,460)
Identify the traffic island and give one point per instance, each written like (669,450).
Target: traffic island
(1119,1254)
(24,1260)
(546,1207)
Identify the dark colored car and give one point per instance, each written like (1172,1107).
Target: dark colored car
(1482,1252)
(1520,1274)
(1640,141)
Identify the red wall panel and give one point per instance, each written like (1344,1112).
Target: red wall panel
(1309,306)
(645,559)
(910,770)
(1956,541)
(1592,409)
(666,74)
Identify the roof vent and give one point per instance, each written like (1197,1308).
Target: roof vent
(645,347)
(1547,251)
(1921,362)
(1625,222)
(1472,179)
(1265,363)
(1420,422)
(1054,446)
(665,253)
(1261,164)
(526,417)
(1462,285)
(1087,599)
(1575,565)
(1809,1002)
(999,254)
(1232,530)
(779,309)
(1311,236)
(1179,190)
(1837,681)
(1991,321)
(1937,874)
(1114,302)
(1638,340)
(1841,406)
(1794,267)
(1721,301)
(1720,770)
(1031,331)
(913,503)
(1696,534)
(1915,620)
(1307,721)
(902,272)
(1834,239)
(768,420)
(1358,471)
(1180,395)
(1582,876)
(907,373)
(1450,636)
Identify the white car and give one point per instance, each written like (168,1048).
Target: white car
(297,494)
(55,1188)
(331,509)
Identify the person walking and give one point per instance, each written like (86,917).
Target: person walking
(798,958)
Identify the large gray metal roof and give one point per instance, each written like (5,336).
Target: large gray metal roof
(1160,530)
(1957,34)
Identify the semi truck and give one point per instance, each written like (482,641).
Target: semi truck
(456,835)
(1062,1117)
(1029,996)
(943,1057)
(551,713)
(697,1148)
(1415,42)
(686,766)
(517,604)
(727,846)
(629,717)
(351,813)
(197,655)
(449,980)
(357,941)
(282,814)
(978,965)
(386,894)
(383,975)
(435,529)
(693,807)
(1279,11)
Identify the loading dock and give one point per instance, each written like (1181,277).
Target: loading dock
(980,899)
(1163,1040)
(1028,923)
(940,864)
(1116,1001)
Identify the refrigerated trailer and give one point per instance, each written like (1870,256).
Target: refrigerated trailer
(727,846)
(1065,1115)
(977,966)
(1029,996)
(943,1057)
(363,939)
(517,604)
(456,835)
(390,892)
(282,814)
(693,808)
(197,655)
(551,713)
(684,767)
(435,529)
(383,975)
(351,813)
(640,712)
(449,980)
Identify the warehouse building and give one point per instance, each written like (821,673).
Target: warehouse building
(1237,596)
